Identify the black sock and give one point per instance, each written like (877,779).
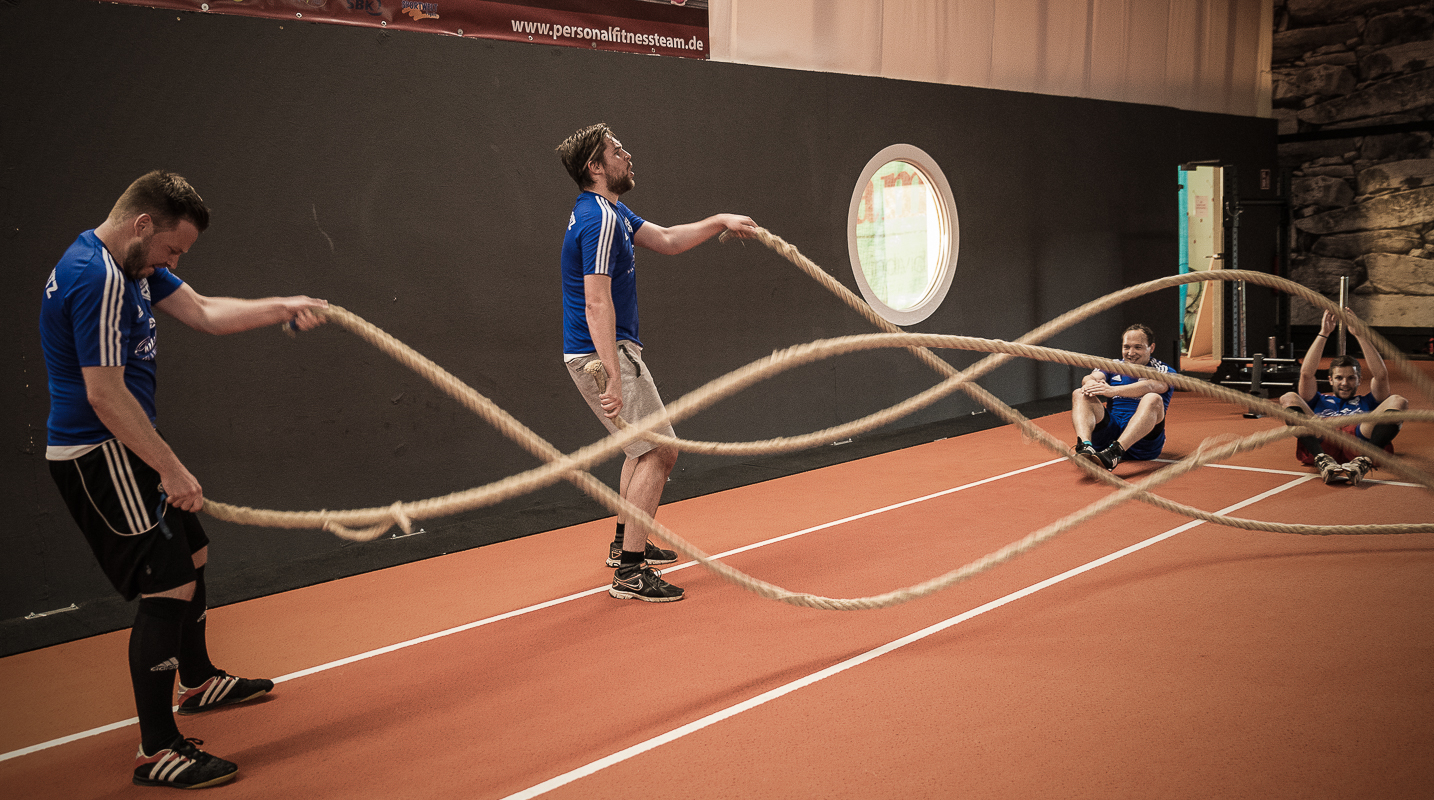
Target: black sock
(194,665)
(1116,450)
(629,558)
(1309,444)
(618,539)
(153,660)
(1383,434)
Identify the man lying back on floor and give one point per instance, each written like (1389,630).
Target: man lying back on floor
(1335,463)
(1117,417)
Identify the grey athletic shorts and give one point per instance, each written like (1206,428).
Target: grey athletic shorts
(640,399)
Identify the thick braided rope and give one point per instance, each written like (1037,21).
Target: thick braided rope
(1207,454)
(1422,382)
(1031,431)
(569,467)
(728,384)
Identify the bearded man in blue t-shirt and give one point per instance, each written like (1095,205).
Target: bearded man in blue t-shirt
(599,281)
(131,496)
(1335,463)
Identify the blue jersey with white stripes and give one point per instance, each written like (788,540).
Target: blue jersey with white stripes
(1329,405)
(94,316)
(598,242)
(1123,408)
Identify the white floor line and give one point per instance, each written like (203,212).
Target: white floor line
(731,711)
(1290,472)
(871,513)
(540,606)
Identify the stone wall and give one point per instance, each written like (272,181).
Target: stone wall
(1363,204)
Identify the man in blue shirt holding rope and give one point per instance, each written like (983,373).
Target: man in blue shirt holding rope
(129,493)
(599,281)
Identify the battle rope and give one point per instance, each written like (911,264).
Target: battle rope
(573,467)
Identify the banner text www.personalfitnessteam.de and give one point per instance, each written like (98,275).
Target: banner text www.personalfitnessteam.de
(613,34)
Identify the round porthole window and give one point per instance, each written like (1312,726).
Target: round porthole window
(903,234)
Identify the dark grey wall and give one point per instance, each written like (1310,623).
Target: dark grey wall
(412,179)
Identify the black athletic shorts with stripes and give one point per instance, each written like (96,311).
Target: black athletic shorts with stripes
(114,497)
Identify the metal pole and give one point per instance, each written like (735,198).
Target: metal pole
(1257,375)
(1241,320)
(1231,190)
(1343,304)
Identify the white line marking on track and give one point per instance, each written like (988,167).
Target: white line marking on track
(732,711)
(1290,472)
(540,606)
(871,513)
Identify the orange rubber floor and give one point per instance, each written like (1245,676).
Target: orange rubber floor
(1139,655)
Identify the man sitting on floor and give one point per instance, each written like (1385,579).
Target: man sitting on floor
(1336,463)
(1117,417)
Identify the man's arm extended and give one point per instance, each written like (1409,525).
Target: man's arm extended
(1309,386)
(681,238)
(1378,372)
(221,315)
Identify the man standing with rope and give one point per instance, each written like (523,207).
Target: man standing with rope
(129,493)
(600,323)
(1334,462)
(1118,417)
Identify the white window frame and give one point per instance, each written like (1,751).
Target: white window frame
(946,210)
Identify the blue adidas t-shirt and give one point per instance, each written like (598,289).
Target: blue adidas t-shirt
(93,316)
(1122,408)
(598,242)
(1329,405)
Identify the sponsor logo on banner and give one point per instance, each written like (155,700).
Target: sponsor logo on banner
(420,10)
(373,8)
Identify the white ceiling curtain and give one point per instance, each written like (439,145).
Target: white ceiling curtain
(1199,55)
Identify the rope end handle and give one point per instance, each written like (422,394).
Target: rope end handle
(599,376)
(598,373)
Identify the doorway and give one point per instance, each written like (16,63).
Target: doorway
(1202,247)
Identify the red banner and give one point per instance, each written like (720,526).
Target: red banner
(657,27)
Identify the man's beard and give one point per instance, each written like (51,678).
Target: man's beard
(133,262)
(620,186)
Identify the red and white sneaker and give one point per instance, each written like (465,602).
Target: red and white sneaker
(221,690)
(182,765)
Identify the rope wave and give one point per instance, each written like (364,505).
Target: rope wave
(369,523)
